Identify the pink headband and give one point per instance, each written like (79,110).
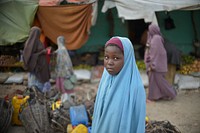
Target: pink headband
(116,41)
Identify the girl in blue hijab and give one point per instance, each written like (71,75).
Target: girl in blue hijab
(120,105)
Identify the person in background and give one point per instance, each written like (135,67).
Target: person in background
(65,77)
(120,104)
(156,66)
(35,62)
(173,60)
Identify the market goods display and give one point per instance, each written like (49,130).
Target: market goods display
(187,59)
(189,65)
(141,65)
(10,63)
(7,60)
(83,66)
(47,114)
(19,64)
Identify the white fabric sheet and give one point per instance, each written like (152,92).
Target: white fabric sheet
(139,9)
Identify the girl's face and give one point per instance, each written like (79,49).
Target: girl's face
(113,59)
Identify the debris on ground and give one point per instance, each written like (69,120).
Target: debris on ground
(161,127)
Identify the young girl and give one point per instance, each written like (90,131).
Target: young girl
(65,77)
(120,105)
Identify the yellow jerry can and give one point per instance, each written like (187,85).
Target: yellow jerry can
(17,101)
(69,128)
(80,129)
(56,105)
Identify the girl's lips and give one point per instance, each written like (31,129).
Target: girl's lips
(109,69)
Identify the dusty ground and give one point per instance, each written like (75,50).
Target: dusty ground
(183,112)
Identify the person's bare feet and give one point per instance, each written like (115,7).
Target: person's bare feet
(168,98)
(148,101)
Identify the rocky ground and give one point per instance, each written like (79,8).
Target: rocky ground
(183,112)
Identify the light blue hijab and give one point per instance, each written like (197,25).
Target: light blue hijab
(120,105)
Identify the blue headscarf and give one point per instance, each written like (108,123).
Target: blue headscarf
(120,105)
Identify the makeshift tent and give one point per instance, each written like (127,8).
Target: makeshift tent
(71,21)
(61,2)
(16,17)
(145,9)
(49,2)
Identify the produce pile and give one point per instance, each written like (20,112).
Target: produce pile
(82,66)
(189,65)
(7,60)
(141,64)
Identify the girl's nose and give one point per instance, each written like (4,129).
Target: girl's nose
(110,62)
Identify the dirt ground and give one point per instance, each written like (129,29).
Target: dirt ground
(182,112)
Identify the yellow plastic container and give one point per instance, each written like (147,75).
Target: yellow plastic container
(56,105)
(80,129)
(17,101)
(147,119)
(69,128)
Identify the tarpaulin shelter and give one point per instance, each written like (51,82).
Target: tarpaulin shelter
(145,9)
(148,9)
(16,17)
(71,21)
(126,11)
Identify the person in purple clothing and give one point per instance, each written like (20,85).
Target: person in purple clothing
(156,66)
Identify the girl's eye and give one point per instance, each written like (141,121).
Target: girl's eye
(105,57)
(116,58)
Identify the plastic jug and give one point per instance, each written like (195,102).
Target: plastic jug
(80,129)
(17,101)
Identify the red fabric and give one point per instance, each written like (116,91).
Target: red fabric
(115,40)
(71,21)
(49,2)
